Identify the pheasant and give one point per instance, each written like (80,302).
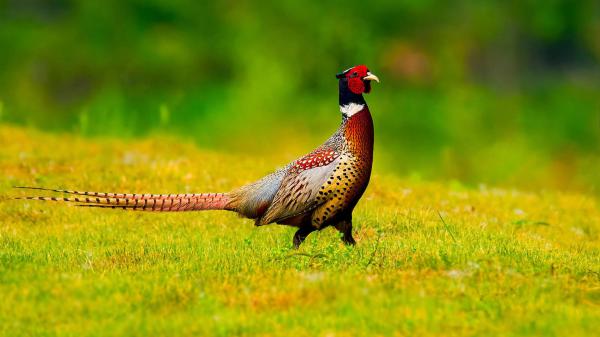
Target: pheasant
(315,191)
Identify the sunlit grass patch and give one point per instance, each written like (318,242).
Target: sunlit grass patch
(432,258)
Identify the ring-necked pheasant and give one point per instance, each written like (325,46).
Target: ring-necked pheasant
(311,193)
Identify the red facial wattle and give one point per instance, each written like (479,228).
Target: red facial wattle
(355,80)
(356,85)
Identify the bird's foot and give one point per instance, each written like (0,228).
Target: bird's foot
(348,239)
(301,235)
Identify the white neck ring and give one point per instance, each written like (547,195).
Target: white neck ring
(351,109)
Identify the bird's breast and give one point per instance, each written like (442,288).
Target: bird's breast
(359,135)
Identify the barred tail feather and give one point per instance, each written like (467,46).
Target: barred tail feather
(104,194)
(143,202)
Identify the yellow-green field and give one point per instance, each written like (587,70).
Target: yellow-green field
(503,261)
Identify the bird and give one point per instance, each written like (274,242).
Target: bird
(318,190)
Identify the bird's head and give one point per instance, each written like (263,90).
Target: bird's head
(358,79)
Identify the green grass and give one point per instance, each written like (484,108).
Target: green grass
(503,262)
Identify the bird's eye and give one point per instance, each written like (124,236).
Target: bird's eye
(355,73)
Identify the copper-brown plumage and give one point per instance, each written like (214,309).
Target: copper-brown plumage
(318,190)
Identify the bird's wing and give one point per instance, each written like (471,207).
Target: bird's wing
(252,200)
(299,190)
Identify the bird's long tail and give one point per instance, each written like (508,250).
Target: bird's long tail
(140,202)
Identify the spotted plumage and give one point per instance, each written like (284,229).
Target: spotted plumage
(318,190)
(320,157)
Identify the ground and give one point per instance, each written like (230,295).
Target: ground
(431,258)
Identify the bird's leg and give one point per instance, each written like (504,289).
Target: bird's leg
(345,227)
(301,235)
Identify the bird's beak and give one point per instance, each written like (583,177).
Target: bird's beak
(371,77)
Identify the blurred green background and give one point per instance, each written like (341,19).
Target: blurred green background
(496,92)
